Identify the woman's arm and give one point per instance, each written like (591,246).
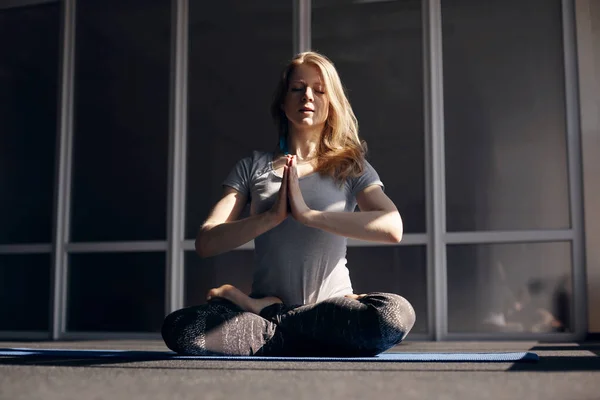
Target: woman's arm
(222,231)
(378,220)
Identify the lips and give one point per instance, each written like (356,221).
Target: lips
(306,110)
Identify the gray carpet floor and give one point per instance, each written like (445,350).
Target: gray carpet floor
(568,371)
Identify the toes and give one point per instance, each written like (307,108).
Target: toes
(211,294)
(355,296)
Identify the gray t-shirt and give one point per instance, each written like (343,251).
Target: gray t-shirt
(298,264)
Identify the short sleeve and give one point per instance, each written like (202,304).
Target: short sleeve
(239,177)
(369,177)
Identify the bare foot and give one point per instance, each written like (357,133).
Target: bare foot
(355,296)
(240,299)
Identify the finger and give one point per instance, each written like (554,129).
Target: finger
(290,174)
(285,173)
(284,180)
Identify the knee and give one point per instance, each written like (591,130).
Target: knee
(183,332)
(396,317)
(170,330)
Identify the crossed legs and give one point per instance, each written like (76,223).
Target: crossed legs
(235,324)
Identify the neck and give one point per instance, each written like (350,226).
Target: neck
(304,143)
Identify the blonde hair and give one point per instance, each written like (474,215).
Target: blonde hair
(341,153)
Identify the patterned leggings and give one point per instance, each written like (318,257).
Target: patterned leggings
(338,326)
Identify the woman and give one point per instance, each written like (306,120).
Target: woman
(302,198)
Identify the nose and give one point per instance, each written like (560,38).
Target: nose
(308,94)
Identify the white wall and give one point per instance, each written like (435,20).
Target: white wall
(588,41)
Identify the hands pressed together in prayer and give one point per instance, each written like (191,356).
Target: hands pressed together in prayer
(290,200)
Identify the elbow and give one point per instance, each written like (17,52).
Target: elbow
(397,229)
(395,236)
(200,248)
(201,245)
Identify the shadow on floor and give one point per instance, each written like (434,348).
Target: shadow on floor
(592,347)
(563,363)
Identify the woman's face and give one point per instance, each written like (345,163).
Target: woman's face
(306,104)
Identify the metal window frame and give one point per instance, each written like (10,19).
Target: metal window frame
(33,248)
(175,269)
(436,239)
(575,169)
(574,235)
(588,84)
(435,186)
(409,239)
(17,335)
(116,247)
(529,236)
(301,26)
(64,150)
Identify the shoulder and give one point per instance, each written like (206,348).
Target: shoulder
(261,157)
(367,171)
(254,163)
(367,177)
(256,158)
(368,167)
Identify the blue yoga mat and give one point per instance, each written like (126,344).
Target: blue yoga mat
(168,355)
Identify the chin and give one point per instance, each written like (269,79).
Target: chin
(307,123)
(304,123)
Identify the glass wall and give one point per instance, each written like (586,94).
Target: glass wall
(203,274)
(121,121)
(506,164)
(24,292)
(524,287)
(510,264)
(119,166)
(505,116)
(116,292)
(29,72)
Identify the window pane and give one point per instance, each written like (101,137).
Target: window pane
(116,292)
(121,120)
(392,269)
(506,156)
(377,48)
(29,63)
(509,287)
(237,51)
(203,274)
(25,292)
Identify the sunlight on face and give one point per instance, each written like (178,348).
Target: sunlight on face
(306,104)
